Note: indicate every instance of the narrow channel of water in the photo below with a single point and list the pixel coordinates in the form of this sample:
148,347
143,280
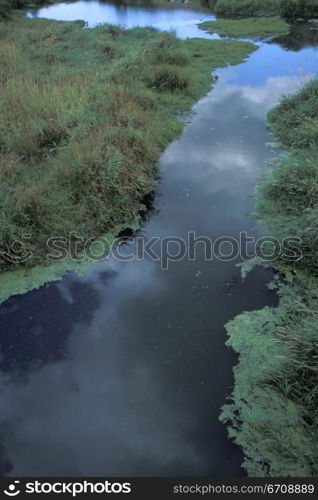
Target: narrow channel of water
123,371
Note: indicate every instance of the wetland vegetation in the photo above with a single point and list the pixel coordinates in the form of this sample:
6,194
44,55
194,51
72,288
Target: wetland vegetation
249,27
84,117
273,413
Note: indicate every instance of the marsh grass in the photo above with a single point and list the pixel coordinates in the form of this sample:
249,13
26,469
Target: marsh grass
250,27
295,120
84,115
273,415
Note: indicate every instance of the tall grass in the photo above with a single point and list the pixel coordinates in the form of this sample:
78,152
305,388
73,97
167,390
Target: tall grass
295,120
7,6
84,115
289,193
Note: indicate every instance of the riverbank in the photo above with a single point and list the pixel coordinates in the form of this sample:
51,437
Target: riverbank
273,413
85,115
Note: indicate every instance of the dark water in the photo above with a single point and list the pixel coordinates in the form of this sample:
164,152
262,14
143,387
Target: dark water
123,371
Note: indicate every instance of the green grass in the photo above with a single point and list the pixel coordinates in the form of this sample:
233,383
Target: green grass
289,193
295,120
84,116
289,9
250,27
273,415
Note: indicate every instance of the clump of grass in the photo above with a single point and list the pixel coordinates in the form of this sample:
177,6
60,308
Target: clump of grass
84,115
288,194
295,120
250,27
292,186
168,78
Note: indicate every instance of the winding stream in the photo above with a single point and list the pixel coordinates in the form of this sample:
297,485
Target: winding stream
123,371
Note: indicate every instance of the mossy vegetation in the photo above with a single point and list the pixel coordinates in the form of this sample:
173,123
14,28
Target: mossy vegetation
250,27
289,9
273,412
295,120
273,415
84,115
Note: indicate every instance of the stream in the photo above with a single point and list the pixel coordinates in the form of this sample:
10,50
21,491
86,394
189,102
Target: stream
123,371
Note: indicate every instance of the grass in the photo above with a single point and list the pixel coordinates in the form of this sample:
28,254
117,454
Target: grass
289,193
273,414
84,116
295,120
250,27
7,7
289,9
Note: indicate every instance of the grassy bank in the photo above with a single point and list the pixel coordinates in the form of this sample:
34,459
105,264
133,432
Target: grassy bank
250,27
273,414
84,115
289,9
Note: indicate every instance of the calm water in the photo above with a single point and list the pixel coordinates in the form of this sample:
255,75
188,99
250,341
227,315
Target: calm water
180,18
123,371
